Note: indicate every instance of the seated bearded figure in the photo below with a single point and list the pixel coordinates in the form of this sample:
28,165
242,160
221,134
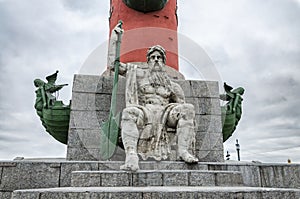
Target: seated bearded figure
154,103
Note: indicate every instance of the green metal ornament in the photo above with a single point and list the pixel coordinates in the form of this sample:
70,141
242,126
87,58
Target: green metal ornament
110,129
232,110
55,116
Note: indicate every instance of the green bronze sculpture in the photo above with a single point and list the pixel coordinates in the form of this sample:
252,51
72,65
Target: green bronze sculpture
110,129
54,114
232,110
146,5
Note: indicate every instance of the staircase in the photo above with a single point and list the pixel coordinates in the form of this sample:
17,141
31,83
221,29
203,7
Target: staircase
157,180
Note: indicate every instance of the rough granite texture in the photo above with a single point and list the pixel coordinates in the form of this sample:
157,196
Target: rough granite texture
156,178
158,193
90,106
29,174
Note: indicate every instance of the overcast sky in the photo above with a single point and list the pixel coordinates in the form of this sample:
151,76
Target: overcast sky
252,43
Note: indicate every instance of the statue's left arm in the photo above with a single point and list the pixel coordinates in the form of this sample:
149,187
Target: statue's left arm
177,93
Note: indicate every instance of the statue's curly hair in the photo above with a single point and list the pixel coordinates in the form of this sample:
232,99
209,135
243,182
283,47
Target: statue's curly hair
159,49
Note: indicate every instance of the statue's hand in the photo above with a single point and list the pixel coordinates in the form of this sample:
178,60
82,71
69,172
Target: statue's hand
118,28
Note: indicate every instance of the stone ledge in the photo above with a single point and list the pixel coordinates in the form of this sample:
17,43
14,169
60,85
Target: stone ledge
29,175
156,178
157,192
103,84
21,175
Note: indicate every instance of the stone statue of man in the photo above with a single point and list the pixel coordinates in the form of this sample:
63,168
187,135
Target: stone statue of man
154,103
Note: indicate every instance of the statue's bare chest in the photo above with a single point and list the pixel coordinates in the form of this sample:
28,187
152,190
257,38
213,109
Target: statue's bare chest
145,87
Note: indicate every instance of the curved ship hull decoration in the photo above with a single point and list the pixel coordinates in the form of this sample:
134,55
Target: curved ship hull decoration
232,110
55,116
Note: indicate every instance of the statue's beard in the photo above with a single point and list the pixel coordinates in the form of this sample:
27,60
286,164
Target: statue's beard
158,77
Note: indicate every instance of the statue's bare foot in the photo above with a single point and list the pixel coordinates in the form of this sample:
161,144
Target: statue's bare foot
131,163
188,158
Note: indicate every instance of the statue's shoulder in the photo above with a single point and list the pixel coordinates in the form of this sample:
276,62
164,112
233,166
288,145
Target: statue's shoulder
176,88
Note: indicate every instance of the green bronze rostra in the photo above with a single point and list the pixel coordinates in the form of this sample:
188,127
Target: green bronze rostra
232,110
55,116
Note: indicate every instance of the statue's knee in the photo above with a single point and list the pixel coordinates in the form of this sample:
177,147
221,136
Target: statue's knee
187,111
132,114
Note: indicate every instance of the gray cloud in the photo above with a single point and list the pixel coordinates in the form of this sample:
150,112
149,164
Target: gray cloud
255,44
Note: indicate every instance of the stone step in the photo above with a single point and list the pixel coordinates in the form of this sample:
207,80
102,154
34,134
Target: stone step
155,165
156,178
158,193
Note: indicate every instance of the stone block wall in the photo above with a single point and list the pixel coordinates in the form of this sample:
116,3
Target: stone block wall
27,174
90,106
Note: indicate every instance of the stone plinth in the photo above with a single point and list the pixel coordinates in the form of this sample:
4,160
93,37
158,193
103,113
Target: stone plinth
90,106
146,178
33,174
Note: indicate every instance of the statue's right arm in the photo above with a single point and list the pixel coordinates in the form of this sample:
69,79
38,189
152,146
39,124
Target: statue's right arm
111,58
122,68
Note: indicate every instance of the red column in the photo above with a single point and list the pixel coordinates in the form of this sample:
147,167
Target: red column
143,30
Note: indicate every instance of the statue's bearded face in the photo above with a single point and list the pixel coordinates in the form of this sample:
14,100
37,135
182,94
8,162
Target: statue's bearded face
158,75
155,61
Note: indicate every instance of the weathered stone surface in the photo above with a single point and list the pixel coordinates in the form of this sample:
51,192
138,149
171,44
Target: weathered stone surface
85,83
85,179
197,88
87,119
209,123
85,145
115,179
250,171
251,176
83,154
68,167
95,101
106,85
210,156
204,88
5,195
96,84
175,178
280,176
80,100
202,179
7,164
163,192
229,179
29,175
154,165
1,169
140,179
209,141
26,195
156,178
87,138
205,106
186,87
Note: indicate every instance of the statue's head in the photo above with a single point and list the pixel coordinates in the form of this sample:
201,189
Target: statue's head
160,50
38,82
